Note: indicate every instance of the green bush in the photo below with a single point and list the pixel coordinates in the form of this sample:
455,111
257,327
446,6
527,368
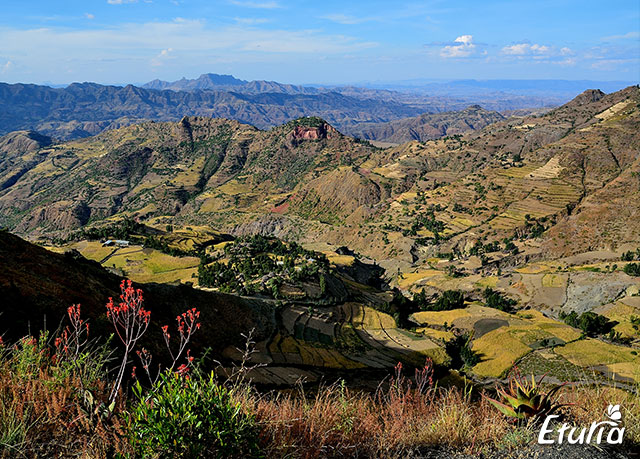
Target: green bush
496,300
450,299
632,269
459,349
189,418
590,323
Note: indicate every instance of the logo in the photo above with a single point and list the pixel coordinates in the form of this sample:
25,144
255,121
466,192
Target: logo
608,431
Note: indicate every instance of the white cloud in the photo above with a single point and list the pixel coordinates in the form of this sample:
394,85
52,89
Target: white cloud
6,67
464,47
528,49
89,16
190,39
120,2
270,5
160,58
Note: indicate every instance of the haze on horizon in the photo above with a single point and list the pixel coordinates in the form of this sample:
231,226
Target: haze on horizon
134,41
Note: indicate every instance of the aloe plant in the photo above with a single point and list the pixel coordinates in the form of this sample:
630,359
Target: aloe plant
525,400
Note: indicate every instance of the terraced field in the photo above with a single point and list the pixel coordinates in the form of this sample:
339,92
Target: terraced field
141,264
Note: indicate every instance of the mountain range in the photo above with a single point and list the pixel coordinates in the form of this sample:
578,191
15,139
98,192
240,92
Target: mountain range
307,176
85,109
524,221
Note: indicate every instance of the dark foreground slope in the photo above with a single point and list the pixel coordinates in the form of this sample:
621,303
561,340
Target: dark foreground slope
38,285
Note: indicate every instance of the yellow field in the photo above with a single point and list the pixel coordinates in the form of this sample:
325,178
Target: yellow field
589,352
313,355
435,334
534,268
489,281
369,318
92,250
151,265
552,280
622,313
629,370
341,260
406,280
439,317
233,187
498,350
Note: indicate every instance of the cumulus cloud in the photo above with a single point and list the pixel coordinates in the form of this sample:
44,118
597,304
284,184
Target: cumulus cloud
164,54
463,46
525,49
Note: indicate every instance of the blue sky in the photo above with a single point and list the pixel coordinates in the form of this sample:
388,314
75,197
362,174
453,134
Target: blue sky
121,41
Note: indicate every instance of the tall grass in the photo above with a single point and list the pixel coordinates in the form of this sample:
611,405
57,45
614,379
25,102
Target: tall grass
55,404
50,408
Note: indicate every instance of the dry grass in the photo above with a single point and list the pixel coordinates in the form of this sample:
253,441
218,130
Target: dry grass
399,422
42,414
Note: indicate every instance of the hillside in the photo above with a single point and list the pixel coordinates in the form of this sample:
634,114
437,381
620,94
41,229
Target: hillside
504,217
305,177
428,126
196,165
44,284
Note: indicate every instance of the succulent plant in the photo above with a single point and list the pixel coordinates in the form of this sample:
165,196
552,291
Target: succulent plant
525,400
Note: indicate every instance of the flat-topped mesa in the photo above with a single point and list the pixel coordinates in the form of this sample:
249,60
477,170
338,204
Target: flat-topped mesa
311,128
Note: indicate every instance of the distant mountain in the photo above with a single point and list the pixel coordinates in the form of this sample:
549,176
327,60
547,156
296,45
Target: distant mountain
205,81
552,89
215,82
84,109
428,126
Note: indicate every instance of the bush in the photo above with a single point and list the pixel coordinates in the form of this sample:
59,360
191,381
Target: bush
459,349
450,299
590,323
632,269
496,300
191,417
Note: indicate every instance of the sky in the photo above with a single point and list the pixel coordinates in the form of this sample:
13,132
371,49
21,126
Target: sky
323,42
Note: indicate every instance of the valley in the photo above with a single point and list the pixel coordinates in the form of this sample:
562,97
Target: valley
512,245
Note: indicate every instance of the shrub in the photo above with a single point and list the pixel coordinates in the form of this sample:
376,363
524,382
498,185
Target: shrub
459,349
496,300
191,418
590,323
632,269
450,299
